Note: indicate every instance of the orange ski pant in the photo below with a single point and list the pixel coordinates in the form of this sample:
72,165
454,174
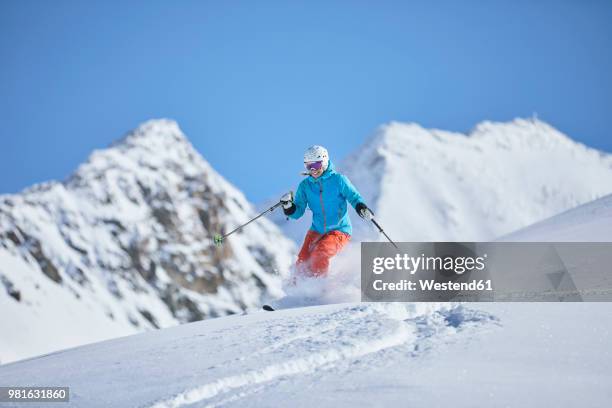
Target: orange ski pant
318,249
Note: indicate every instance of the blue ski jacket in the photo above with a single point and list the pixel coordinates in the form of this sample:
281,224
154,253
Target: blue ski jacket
326,197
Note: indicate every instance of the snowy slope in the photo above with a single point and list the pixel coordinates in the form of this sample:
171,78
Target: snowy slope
435,185
590,222
486,355
124,245
254,360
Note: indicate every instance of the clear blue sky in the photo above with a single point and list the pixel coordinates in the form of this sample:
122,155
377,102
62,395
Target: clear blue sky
253,83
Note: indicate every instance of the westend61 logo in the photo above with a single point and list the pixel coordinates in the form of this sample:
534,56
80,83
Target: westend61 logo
486,271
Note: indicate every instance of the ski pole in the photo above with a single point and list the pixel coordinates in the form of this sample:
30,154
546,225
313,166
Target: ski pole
383,232
218,238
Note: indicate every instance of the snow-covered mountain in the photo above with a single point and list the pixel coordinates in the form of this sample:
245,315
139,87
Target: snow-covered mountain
434,185
124,245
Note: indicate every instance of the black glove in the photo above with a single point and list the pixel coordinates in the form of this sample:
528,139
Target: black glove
364,212
287,203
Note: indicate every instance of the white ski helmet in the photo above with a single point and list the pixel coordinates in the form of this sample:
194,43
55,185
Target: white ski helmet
317,153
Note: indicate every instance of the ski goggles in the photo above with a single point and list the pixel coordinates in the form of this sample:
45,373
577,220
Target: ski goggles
313,166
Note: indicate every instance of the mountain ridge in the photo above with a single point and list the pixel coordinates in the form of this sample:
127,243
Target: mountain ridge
475,186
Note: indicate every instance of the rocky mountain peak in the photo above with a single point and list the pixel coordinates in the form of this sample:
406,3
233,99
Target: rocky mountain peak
129,234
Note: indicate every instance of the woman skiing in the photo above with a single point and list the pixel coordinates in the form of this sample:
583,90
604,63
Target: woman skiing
326,193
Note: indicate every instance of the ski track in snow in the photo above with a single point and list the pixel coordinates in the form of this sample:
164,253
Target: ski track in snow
329,340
